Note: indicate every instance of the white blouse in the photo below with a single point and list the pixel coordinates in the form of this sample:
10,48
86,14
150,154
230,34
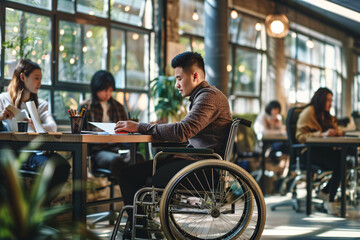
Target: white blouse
46,118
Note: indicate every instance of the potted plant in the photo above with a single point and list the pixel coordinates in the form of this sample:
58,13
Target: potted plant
169,105
22,214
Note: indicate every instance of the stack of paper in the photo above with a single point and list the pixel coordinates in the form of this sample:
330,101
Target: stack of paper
35,117
19,115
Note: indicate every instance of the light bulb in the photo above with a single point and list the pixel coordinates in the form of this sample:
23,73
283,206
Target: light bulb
277,27
195,15
310,44
258,27
234,14
228,68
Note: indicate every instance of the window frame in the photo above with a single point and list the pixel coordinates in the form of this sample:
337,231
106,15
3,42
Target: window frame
80,18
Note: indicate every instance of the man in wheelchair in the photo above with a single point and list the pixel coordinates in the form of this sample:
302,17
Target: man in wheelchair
205,126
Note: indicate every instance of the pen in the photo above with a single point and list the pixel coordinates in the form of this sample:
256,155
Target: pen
82,112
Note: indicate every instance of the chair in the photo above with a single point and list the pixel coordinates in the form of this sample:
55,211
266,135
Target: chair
203,192
295,149
111,214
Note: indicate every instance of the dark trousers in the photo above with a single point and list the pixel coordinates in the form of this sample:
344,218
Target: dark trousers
37,161
134,177
112,161
328,159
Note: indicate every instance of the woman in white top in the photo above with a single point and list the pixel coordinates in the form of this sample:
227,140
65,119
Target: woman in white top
270,123
23,87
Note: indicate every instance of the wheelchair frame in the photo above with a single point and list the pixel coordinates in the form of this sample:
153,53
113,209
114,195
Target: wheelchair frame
238,190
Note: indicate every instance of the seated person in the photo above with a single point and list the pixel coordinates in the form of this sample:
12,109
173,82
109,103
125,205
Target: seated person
206,125
102,107
23,87
316,120
270,123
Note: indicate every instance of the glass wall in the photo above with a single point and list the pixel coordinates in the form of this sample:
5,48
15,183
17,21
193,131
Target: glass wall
247,48
356,96
73,40
311,64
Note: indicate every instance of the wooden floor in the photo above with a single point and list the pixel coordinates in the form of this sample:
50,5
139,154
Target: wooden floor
285,223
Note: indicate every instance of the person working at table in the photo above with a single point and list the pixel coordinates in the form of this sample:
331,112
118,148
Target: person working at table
102,107
316,121
23,87
206,125
270,123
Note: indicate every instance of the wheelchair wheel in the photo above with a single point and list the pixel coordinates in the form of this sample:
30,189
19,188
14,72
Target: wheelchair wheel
212,199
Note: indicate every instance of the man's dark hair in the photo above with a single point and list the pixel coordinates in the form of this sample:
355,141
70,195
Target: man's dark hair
186,60
101,80
273,104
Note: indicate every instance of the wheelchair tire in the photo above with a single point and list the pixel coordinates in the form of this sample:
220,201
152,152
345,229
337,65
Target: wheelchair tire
212,199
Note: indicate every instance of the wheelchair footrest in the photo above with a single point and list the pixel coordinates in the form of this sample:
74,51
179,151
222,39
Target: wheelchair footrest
147,228
144,203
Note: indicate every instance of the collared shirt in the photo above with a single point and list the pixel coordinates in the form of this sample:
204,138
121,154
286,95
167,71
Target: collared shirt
205,126
116,112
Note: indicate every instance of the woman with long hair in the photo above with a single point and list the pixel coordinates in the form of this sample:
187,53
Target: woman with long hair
24,87
316,121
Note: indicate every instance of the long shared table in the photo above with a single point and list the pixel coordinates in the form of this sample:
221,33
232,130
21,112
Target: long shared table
78,145
344,143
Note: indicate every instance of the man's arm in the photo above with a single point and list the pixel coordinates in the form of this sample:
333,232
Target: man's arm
206,108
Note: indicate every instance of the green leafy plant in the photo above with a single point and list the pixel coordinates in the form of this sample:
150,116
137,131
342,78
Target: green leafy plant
168,101
22,46
22,212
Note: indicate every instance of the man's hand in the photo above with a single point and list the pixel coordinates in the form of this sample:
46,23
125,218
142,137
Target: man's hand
126,126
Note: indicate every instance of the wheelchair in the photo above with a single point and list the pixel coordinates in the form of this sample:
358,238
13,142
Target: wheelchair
208,199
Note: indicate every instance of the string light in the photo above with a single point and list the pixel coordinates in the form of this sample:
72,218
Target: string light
258,27
234,14
310,44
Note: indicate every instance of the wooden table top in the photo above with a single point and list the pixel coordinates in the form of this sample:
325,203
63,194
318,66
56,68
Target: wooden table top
76,138
333,140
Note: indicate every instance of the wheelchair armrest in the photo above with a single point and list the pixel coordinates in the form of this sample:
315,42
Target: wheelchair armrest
169,145
188,150
101,171
28,173
298,146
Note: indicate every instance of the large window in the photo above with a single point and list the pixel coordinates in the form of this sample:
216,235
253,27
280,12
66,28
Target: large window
27,35
356,97
247,48
82,51
311,64
71,47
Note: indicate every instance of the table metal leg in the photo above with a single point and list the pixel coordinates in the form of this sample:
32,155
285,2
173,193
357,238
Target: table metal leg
308,181
343,182
79,184
133,153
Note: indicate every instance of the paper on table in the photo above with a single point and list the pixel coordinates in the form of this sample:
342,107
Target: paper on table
35,117
19,115
107,127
